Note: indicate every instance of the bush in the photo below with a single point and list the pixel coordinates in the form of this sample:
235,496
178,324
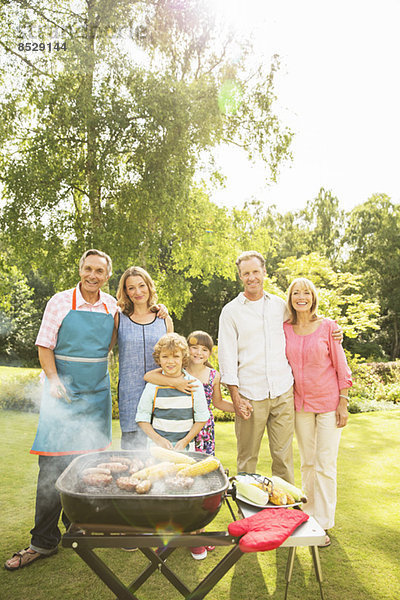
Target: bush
114,374
20,389
376,386
388,372
360,405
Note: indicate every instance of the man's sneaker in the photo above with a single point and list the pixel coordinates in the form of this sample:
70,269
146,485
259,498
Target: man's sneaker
198,553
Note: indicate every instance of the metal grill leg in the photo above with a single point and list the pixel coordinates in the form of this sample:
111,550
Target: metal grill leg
317,567
289,568
105,574
216,574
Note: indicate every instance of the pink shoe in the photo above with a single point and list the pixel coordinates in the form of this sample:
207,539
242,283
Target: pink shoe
198,553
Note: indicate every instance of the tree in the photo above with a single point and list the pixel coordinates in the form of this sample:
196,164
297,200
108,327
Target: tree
101,140
339,293
18,318
373,238
326,222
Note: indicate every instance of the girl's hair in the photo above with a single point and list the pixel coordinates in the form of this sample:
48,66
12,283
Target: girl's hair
172,342
200,338
124,302
308,285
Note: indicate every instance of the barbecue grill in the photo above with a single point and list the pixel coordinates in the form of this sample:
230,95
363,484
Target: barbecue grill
109,518
160,509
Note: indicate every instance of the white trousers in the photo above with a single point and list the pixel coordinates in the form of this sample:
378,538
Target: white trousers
318,439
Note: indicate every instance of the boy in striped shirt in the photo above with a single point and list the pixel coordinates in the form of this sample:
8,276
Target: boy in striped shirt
169,416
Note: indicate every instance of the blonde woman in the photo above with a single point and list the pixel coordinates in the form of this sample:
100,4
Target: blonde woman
321,382
139,324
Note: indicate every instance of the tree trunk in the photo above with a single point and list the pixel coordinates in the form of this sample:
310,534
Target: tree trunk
395,345
91,166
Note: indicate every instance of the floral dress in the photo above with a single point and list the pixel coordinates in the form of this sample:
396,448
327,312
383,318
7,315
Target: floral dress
205,440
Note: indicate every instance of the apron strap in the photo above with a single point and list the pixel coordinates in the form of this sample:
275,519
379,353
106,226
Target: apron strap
74,302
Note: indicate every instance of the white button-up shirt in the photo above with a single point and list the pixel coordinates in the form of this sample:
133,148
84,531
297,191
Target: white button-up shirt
251,347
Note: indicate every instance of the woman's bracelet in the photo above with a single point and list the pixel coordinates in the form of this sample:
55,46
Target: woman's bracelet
342,396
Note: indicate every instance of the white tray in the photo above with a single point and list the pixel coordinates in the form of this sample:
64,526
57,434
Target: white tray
250,479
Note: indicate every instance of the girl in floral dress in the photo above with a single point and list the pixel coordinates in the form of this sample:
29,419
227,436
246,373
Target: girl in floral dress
200,348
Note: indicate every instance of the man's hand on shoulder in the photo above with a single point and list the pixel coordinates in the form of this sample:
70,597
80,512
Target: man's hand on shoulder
337,334
162,312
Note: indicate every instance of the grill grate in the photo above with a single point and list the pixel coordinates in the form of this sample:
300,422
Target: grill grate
202,484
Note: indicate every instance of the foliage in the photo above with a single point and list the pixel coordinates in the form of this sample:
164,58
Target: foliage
373,237
19,319
113,367
364,405
101,141
338,293
318,227
19,389
324,221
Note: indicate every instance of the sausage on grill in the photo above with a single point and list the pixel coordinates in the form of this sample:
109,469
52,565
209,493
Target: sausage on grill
97,479
96,470
136,465
127,483
121,459
114,467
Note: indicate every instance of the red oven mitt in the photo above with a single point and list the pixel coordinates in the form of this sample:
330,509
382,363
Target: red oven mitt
267,529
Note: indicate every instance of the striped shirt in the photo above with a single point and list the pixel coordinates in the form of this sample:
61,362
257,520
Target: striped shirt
170,411
59,306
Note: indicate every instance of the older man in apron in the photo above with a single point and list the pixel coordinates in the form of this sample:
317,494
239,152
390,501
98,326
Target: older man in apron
75,412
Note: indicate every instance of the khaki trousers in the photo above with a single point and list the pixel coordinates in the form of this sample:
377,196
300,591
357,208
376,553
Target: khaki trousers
277,416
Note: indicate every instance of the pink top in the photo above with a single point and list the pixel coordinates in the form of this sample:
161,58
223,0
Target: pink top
319,368
59,306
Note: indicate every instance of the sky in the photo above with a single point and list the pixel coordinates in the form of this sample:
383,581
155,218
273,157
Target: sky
338,90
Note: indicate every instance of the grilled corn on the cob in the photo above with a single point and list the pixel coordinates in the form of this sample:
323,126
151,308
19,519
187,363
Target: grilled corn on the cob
201,467
278,497
297,493
158,471
171,456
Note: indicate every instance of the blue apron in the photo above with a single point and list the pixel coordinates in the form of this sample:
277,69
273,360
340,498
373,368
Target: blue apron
82,422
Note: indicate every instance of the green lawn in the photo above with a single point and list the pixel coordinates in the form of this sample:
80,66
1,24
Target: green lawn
362,563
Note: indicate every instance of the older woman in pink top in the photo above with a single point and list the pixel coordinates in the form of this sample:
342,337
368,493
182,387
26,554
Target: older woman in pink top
321,382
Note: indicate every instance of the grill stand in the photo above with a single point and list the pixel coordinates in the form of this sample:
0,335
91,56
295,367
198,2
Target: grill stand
308,534
83,544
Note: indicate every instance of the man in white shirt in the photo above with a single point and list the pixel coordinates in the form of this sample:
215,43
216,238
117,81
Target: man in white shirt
253,364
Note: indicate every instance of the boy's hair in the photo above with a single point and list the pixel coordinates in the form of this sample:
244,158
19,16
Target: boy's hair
172,342
200,338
